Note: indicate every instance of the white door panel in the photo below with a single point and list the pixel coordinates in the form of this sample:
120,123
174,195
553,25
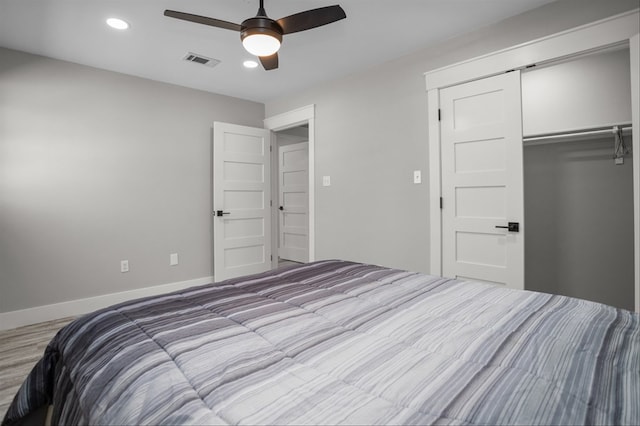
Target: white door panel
293,187
482,180
241,191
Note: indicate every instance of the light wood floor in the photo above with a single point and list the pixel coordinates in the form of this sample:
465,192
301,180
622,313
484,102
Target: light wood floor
20,349
283,262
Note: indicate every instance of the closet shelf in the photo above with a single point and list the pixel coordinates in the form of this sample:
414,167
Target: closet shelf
580,135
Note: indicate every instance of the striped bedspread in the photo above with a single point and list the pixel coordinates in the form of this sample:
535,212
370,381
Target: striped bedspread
335,342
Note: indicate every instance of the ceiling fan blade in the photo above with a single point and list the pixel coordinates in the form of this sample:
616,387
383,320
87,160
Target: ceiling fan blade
202,20
311,19
269,62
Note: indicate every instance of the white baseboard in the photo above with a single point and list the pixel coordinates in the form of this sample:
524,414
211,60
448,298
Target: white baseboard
14,319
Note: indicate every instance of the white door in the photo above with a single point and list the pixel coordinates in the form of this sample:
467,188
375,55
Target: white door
482,182
241,200
293,164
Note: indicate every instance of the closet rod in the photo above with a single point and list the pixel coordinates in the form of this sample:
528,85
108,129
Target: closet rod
569,136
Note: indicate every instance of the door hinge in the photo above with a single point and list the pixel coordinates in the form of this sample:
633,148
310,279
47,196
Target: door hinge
439,114
270,148
271,203
440,202
271,257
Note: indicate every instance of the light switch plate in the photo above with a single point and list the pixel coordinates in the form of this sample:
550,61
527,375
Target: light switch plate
124,266
326,180
417,176
173,259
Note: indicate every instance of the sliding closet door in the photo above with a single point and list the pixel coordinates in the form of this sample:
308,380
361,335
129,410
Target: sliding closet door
482,188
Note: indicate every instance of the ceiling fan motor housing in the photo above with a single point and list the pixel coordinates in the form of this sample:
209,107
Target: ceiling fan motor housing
261,25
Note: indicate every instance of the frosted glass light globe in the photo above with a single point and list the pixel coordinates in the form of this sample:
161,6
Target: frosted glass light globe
261,44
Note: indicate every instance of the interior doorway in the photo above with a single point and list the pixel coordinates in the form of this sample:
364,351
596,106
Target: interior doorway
293,127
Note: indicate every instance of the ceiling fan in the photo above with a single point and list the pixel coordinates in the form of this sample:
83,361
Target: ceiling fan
261,36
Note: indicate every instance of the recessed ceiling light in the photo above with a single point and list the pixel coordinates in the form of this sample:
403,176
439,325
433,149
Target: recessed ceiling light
118,24
250,64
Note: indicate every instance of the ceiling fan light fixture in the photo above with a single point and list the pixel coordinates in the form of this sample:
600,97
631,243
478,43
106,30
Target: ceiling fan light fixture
259,42
261,36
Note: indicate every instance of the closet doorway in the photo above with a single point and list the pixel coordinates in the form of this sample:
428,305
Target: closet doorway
621,31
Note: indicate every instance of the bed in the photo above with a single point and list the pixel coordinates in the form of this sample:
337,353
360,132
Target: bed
337,342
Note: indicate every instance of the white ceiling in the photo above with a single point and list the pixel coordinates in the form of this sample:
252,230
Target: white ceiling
374,32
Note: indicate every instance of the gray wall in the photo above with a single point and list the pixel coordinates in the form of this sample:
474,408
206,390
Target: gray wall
579,216
96,167
371,133
586,92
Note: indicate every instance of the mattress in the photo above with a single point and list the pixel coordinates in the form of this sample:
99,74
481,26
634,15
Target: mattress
337,342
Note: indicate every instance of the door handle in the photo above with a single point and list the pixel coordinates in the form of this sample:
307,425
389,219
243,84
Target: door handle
281,208
219,213
511,227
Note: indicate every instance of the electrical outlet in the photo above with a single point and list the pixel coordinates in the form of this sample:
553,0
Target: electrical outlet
173,259
326,180
124,266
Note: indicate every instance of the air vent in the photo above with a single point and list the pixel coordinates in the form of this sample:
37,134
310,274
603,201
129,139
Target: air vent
202,60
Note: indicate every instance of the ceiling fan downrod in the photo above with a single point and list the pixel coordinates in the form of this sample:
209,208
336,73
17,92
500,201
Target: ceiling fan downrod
261,11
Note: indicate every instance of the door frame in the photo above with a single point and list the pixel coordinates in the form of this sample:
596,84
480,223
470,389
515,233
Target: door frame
284,121
615,30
